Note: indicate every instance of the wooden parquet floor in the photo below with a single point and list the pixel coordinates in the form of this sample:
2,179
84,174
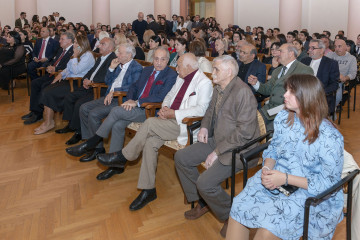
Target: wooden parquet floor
46,194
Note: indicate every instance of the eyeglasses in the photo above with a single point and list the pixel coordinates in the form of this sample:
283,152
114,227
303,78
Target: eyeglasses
313,48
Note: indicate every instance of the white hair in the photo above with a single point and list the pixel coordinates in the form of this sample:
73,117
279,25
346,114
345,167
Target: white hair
229,62
190,60
103,34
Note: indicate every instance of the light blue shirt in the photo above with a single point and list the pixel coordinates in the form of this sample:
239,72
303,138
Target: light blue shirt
74,68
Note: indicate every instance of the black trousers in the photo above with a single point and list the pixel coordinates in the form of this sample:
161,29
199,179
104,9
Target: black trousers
37,85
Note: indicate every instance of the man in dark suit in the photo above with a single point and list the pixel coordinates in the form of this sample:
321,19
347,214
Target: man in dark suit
44,49
303,36
139,26
59,62
230,121
275,86
152,86
152,24
73,100
197,23
94,42
20,22
52,33
249,67
325,69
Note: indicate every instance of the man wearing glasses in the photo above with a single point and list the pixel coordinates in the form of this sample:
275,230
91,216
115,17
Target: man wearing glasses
325,69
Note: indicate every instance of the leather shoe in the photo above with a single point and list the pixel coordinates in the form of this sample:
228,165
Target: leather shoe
27,116
78,150
146,196
115,159
74,139
108,173
196,212
33,119
91,155
64,130
224,228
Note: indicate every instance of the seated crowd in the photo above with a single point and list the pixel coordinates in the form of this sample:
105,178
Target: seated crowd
294,81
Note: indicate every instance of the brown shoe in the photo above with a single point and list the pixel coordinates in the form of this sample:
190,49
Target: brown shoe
196,212
224,229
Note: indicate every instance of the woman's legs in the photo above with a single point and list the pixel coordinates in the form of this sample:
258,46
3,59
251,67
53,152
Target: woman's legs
263,233
237,231
48,123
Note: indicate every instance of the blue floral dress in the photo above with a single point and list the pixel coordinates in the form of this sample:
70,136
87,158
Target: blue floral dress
321,163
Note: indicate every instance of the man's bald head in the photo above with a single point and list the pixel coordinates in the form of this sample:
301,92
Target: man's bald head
340,47
186,64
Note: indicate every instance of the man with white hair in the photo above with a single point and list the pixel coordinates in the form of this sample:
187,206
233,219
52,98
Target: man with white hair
189,97
229,122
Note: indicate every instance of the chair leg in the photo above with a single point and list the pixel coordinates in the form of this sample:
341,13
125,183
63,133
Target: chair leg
354,96
348,100
28,83
12,89
227,183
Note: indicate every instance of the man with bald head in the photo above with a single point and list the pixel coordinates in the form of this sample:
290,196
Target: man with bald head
73,100
238,46
139,26
347,66
230,121
189,97
275,86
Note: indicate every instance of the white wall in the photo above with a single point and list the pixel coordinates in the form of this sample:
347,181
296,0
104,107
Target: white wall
175,7
7,13
127,10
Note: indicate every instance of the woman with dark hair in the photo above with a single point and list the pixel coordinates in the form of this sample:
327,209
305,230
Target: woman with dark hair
306,155
26,42
52,20
35,19
154,42
274,58
280,38
236,37
266,50
198,48
164,26
44,21
351,47
133,40
163,37
181,23
53,95
11,56
71,26
260,41
180,46
299,47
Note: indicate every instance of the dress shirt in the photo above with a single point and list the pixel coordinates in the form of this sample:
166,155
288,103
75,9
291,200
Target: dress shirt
46,42
74,68
22,22
118,81
103,58
314,64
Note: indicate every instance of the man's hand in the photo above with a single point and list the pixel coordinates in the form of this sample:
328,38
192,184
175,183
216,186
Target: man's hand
57,79
252,79
108,98
43,60
166,113
114,63
86,84
273,179
203,135
129,105
36,59
343,78
50,69
210,159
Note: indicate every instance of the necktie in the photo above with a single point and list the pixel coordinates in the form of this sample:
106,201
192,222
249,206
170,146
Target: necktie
42,49
148,85
59,59
283,71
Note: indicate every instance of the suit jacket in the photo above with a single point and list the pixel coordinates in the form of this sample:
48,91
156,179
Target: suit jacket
329,74
63,62
51,48
93,42
101,73
194,104
257,69
275,86
197,24
236,121
132,75
18,22
161,86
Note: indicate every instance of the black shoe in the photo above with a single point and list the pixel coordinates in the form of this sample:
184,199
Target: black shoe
144,198
91,155
27,116
79,150
108,173
74,139
115,159
34,118
64,130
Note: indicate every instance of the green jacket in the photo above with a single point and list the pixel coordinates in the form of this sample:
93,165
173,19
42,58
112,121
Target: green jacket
275,86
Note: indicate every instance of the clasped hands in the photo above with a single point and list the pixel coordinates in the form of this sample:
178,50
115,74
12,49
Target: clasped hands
166,113
272,179
203,138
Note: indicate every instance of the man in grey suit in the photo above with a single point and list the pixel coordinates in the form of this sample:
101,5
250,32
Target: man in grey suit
275,86
230,121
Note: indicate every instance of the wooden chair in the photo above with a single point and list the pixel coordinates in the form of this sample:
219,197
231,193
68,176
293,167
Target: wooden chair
260,56
144,63
232,48
209,58
268,66
22,75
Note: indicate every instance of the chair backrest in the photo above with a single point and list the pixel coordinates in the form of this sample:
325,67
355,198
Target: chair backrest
268,66
260,56
209,58
262,125
144,63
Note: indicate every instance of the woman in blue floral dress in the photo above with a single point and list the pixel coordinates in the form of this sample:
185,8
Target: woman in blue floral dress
307,152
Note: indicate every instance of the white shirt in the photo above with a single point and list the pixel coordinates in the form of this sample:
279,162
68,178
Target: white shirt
22,22
315,65
118,81
46,42
103,58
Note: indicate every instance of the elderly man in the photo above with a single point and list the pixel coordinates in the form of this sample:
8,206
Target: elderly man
73,100
325,69
190,96
229,122
122,73
275,86
44,50
239,44
153,85
139,26
59,62
347,66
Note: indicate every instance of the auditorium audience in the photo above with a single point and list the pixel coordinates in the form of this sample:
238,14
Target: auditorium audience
180,46
154,42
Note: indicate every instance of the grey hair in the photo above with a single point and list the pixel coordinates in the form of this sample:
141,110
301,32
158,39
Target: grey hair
103,34
253,48
291,48
69,35
129,48
228,61
164,49
191,61
319,42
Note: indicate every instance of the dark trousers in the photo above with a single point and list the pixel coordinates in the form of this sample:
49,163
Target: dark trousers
32,66
37,85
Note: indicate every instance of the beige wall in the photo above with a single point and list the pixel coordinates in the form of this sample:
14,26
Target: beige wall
127,10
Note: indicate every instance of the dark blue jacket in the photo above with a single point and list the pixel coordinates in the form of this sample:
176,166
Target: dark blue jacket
258,69
161,86
51,48
132,75
63,62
